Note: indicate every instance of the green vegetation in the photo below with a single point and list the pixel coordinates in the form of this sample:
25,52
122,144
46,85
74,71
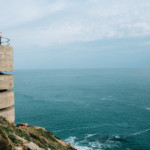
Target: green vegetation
22,135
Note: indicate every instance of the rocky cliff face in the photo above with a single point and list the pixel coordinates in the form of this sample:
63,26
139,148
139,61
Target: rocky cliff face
24,137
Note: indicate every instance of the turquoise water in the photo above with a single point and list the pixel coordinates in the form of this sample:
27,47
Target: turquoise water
93,109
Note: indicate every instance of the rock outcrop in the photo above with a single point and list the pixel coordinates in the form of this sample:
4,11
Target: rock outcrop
25,137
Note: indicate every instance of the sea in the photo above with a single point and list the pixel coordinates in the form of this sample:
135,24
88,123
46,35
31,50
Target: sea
92,109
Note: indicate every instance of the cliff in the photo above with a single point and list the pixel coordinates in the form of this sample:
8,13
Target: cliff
24,137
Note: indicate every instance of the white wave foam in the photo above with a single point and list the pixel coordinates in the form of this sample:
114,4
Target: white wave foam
139,132
71,140
117,136
147,108
94,145
90,135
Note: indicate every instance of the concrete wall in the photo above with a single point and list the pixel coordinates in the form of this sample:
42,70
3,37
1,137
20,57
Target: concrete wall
6,83
8,113
6,99
6,58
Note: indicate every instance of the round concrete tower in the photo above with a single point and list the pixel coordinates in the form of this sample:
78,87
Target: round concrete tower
6,80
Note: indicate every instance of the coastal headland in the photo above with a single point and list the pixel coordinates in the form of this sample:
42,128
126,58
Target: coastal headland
20,136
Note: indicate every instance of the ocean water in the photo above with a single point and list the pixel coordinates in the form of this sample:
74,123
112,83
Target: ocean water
92,109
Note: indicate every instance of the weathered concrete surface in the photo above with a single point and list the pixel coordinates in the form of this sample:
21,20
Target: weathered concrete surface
8,113
6,81
6,99
6,58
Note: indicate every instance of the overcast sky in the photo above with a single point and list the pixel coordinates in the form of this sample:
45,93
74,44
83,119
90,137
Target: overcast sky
77,33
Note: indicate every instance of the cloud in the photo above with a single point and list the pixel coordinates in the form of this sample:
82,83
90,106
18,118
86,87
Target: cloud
18,12
45,23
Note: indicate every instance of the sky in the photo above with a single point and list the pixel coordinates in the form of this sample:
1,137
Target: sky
51,34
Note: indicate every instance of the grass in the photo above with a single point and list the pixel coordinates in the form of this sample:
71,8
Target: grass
44,139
